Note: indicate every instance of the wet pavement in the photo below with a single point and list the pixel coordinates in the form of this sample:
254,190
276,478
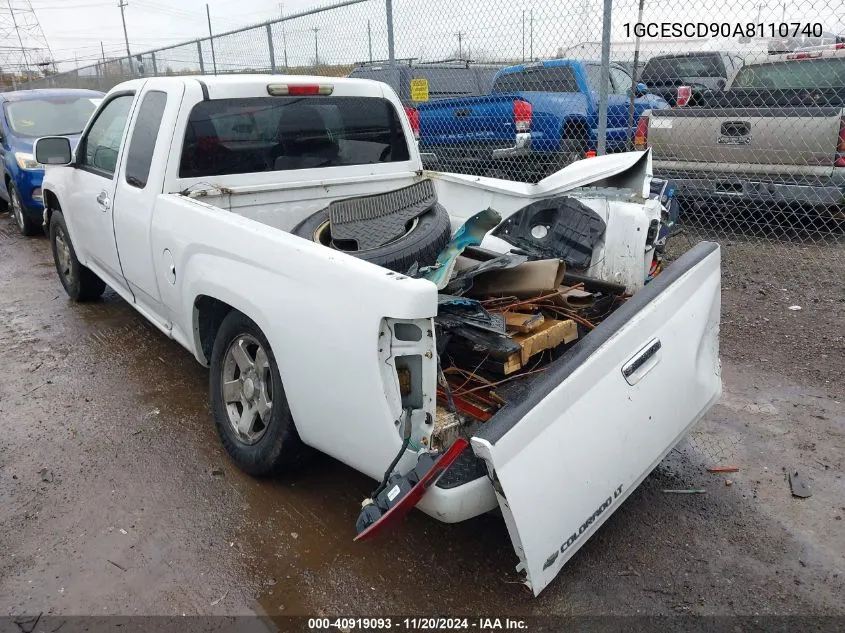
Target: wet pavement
116,497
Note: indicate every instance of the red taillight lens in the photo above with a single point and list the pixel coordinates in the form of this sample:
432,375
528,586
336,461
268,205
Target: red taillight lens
414,119
840,146
641,133
522,113
684,94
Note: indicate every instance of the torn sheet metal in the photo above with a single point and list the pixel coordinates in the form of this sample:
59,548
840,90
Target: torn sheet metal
470,234
468,269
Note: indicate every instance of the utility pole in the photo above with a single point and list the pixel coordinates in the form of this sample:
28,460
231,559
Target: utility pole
284,37
211,37
370,39
460,44
316,49
20,41
103,51
122,4
531,20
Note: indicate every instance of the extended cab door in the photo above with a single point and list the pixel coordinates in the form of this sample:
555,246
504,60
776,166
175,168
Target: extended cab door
563,460
138,186
91,189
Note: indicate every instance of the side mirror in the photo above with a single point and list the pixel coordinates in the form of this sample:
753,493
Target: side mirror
641,90
721,84
53,150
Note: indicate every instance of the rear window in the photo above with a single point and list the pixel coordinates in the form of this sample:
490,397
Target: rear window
800,74
237,136
668,69
552,79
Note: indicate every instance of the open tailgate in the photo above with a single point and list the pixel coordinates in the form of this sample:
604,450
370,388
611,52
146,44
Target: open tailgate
606,414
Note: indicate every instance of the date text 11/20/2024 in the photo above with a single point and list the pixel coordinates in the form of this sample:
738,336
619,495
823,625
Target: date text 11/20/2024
418,624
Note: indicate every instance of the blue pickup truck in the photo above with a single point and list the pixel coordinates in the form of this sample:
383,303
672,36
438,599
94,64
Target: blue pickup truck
538,117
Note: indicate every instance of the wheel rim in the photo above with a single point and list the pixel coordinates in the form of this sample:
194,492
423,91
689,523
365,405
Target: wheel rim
247,388
17,210
63,255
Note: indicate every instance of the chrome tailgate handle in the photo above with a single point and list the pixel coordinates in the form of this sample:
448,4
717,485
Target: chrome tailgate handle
642,362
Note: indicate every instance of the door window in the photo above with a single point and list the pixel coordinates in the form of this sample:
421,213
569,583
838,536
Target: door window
99,148
144,135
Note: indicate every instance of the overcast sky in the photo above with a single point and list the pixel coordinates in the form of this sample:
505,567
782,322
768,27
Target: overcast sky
429,29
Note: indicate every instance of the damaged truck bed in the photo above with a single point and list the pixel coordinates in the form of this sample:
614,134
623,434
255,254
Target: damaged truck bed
469,343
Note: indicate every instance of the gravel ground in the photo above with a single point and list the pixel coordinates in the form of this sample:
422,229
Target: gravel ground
116,497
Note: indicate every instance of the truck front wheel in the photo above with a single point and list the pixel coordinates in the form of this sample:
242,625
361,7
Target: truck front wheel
248,400
79,282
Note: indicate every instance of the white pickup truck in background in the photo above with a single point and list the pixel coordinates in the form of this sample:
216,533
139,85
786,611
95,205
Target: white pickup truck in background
202,202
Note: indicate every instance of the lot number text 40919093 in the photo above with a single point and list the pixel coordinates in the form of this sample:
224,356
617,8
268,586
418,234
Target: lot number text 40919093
722,29
418,624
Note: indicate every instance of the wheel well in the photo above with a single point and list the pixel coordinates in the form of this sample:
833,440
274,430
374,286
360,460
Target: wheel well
209,314
576,129
51,203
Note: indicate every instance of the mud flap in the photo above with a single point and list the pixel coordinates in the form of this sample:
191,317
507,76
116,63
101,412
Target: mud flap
606,414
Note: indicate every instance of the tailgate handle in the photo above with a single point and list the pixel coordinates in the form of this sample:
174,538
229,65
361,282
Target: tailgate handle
642,362
736,128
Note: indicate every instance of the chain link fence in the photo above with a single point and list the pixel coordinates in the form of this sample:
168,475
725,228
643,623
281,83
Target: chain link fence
741,102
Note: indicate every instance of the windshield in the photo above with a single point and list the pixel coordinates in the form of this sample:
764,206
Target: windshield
50,116
801,74
551,79
669,69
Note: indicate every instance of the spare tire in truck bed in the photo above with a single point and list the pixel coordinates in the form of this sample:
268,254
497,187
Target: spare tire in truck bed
424,237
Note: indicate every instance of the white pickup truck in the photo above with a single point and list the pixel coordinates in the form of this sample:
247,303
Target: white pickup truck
201,201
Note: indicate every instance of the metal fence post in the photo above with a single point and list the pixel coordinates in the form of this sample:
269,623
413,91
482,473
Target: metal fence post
270,48
391,47
155,67
605,77
634,82
199,54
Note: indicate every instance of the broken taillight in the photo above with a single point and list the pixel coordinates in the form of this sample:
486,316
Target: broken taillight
641,133
522,114
414,119
840,146
684,94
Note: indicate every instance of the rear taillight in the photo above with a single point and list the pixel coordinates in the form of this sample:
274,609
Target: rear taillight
414,120
684,94
641,133
839,47
840,146
522,113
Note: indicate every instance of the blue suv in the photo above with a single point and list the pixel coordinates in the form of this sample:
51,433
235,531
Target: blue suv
24,116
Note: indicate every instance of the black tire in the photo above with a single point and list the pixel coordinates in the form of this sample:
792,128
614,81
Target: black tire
80,283
422,244
278,447
26,224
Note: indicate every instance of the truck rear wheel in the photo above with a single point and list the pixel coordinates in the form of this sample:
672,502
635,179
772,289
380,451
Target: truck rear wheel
248,400
80,283
422,242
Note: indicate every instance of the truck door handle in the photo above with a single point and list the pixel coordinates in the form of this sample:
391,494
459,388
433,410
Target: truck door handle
103,201
642,362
